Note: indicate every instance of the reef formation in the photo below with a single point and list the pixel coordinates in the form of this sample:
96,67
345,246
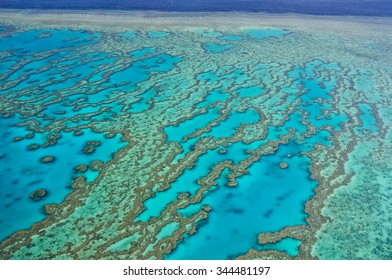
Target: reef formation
195,142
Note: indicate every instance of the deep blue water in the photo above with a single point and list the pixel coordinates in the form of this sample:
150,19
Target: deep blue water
320,7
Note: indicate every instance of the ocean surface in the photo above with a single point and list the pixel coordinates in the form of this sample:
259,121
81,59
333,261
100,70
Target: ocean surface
218,142
317,7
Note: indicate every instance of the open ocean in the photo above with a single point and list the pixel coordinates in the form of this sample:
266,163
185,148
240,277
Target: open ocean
317,7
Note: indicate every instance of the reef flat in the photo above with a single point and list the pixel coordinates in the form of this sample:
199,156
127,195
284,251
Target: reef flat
194,136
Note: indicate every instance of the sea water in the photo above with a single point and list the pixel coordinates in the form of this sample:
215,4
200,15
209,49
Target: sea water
145,107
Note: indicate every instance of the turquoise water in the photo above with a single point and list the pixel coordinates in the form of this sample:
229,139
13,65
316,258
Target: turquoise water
140,70
142,52
288,245
188,181
128,35
213,97
369,122
261,202
217,48
52,80
250,91
167,230
229,127
231,38
144,102
276,196
176,133
267,199
33,41
220,108
123,244
264,33
21,171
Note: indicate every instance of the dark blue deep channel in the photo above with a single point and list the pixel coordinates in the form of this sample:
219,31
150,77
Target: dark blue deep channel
317,7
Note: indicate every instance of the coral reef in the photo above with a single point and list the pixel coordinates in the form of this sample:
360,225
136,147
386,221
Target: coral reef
173,140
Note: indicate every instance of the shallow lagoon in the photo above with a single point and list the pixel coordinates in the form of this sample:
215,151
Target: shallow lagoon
206,140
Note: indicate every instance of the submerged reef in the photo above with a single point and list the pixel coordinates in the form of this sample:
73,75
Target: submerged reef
45,159
283,165
38,194
254,142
